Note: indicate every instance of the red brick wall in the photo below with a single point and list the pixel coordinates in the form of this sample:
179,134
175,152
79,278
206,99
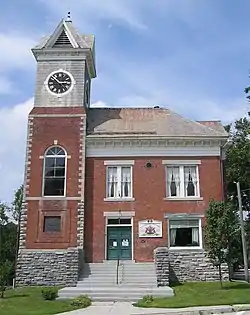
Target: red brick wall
66,130
149,192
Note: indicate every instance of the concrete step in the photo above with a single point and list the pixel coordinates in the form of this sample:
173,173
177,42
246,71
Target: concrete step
114,293
113,284
138,280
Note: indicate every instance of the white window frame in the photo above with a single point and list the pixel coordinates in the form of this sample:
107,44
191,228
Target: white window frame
186,247
119,165
66,156
182,164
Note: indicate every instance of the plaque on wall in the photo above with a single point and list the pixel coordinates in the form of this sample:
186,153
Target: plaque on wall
150,228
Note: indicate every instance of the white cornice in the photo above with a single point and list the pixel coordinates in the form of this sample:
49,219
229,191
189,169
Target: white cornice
56,54
149,141
152,147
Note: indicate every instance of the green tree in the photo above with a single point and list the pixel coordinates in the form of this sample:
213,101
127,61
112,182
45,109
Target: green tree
221,233
8,232
5,273
238,159
17,204
16,215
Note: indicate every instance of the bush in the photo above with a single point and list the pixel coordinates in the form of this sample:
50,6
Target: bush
81,301
147,299
5,271
49,294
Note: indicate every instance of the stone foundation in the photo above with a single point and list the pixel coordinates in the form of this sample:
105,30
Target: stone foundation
162,266
46,267
181,266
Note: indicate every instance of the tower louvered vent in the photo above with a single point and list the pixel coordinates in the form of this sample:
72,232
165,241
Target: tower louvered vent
63,40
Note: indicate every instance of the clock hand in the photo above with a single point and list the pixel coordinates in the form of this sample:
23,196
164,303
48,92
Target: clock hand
56,79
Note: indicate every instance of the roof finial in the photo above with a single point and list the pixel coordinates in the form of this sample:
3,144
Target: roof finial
69,17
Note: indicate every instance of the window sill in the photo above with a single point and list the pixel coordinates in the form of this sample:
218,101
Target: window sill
184,198
119,199
186,248
54,197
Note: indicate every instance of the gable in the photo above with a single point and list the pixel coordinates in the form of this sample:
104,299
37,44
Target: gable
63,40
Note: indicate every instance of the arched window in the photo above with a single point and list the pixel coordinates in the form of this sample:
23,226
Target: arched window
54,173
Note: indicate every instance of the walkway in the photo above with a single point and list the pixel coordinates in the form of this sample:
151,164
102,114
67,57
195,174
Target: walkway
126,308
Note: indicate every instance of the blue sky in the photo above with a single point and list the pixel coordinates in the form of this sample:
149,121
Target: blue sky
192,56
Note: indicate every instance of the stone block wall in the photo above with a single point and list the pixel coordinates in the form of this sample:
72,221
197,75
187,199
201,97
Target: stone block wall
181,266
58,267
161,255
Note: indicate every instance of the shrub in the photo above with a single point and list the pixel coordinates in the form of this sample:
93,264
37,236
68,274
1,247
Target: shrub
5,271
147,299
81,301
49,294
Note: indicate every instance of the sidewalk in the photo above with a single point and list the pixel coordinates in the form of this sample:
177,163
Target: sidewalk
126,308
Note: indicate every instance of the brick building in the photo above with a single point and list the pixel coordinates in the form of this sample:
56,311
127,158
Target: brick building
109,183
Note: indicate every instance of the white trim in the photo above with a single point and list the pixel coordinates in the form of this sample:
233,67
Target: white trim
65,175
180,216
119,183
123,199
181,162
73,82
60,28
187,217
189,198
117,214
141,151
182,195
53,198
70,36
119,162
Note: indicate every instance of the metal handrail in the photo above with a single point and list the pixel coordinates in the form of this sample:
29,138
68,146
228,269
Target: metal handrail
117,270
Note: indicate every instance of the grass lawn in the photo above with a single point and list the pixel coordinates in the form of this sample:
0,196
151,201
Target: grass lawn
29,301
203,294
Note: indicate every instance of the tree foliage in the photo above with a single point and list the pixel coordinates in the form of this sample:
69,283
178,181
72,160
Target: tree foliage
5,273
238,160
17,204
222,233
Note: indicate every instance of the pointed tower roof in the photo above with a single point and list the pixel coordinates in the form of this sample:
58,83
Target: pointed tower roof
66,38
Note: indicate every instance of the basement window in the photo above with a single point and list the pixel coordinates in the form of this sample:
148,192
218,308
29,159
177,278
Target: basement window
52,224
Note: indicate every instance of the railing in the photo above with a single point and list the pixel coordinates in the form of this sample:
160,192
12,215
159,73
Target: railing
117,270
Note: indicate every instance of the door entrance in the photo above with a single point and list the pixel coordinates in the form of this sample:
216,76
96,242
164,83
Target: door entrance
119,243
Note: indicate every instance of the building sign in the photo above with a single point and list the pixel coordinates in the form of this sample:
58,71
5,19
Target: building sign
150,228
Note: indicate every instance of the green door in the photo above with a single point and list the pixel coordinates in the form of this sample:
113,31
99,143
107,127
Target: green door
119,243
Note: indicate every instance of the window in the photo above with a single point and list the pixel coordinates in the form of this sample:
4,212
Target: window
52,224
185,233
54,172
119,182
182,181
119,221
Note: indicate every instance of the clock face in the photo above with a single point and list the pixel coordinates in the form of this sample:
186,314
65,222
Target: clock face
59,82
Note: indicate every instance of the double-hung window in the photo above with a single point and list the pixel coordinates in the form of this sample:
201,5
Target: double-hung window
119,182
54,173
182,180
185,233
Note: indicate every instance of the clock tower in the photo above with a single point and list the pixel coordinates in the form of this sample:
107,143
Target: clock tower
51,241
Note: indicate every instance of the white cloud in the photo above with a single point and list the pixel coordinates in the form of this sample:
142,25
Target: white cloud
198,109
89,11
5,85
99,104
15,51
13,122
